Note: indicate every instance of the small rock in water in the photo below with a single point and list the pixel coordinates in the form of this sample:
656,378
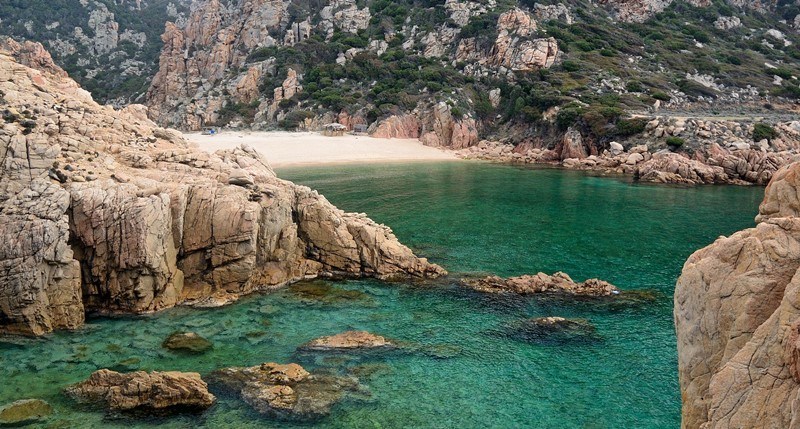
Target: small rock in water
24,411
188,342
349,340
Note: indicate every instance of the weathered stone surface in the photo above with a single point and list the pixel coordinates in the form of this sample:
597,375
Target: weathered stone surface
542,283
109,213
142,390
287,391
736,317
24,411
40,281
400,127
674,168
349,340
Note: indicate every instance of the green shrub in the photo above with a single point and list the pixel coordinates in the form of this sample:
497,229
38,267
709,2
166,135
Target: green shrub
781,72
629,127
293,119
456,112
567,116
570,66
661,95
634,86
675,142
763,131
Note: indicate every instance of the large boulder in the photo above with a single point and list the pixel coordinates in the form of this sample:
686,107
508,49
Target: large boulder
737,318
141,390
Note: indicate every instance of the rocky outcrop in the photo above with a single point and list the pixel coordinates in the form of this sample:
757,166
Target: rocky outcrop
707,152
443,130
349,340
108,213
541,283
400,127
288,391
141,390
737,319
515,47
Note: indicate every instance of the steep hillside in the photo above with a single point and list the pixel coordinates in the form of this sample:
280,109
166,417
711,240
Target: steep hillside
109,46
493,68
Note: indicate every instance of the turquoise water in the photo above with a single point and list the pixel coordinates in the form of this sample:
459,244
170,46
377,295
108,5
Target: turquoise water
462,372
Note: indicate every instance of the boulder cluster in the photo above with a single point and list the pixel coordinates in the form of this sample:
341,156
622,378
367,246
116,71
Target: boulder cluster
724,153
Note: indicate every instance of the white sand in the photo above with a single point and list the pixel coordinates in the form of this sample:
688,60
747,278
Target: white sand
287,148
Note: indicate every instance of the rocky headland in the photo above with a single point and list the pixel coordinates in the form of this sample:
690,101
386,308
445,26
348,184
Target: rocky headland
737,318
105,212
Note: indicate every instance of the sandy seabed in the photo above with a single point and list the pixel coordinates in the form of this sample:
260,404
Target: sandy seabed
307,148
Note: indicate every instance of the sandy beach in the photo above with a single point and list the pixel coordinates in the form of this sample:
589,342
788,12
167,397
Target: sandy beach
307,148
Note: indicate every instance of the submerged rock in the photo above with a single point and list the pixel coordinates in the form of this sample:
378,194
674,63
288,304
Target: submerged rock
287,391
542,283
551,330
187,342
325,293
347,341
24,411
154,390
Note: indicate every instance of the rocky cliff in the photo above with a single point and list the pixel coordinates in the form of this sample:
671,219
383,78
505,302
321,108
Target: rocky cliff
102,211
738,320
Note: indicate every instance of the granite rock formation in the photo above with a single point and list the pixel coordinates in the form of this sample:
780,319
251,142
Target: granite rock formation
109,213
737,318
142,390
542,283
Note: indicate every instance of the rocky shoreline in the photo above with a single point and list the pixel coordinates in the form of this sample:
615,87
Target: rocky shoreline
105,212
713,162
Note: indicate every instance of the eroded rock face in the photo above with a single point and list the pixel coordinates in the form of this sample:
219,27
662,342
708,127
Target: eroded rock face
542,283
736,319
142,390
287,391
110,213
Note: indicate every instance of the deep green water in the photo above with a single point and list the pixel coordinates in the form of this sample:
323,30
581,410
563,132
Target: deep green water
470,218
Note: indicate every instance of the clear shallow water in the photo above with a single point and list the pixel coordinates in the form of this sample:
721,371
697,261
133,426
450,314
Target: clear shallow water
470,218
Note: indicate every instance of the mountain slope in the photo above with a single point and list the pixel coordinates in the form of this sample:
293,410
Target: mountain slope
109,46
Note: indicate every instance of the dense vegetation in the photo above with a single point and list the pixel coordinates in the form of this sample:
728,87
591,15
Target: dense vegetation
607,68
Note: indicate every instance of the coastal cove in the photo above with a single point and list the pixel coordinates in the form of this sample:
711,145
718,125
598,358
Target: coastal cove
463,370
